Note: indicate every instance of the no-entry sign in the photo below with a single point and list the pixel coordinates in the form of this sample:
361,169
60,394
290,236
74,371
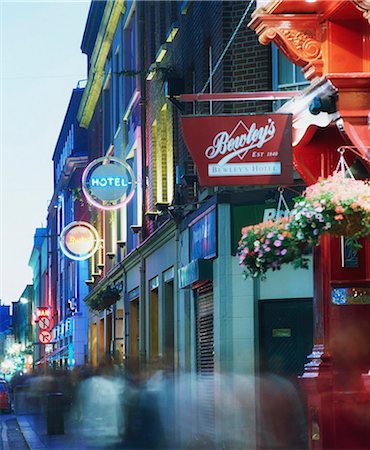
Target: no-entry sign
45,337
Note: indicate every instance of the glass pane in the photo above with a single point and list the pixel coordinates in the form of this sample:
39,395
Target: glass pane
299,77
285,70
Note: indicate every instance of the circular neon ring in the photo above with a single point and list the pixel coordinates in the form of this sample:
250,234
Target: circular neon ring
75,256
92,200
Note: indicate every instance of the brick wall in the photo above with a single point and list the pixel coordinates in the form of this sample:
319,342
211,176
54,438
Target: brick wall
245,67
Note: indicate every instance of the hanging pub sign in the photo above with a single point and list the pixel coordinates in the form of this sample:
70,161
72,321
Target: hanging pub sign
79,240
240,150
108,183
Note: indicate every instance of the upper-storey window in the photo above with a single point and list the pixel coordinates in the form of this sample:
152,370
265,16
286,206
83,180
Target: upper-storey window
129,59
66,152
107,115
286,76
117,89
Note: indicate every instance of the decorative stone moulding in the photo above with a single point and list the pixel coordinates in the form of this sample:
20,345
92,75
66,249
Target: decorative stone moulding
363,5
297,36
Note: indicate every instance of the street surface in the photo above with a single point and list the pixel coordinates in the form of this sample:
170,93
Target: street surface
11,436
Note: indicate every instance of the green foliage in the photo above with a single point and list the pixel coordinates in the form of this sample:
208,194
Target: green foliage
104,299
77,195
268,245
336,205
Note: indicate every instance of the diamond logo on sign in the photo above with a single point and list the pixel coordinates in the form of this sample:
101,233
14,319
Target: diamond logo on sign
108,183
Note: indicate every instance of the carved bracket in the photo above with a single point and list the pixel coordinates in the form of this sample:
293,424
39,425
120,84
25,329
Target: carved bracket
297,36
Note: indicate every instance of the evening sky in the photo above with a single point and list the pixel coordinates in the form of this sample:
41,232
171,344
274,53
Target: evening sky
41,62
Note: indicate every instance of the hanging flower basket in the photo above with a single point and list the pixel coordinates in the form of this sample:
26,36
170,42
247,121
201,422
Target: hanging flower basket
269,245
104,299
337,205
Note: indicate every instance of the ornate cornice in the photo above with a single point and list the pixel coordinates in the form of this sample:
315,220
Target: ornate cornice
298,36
108,26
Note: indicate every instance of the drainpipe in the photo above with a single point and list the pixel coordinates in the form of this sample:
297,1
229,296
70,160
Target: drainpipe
142,87
126,319
142,312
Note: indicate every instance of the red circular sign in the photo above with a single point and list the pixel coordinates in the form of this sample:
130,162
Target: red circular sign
45,337
44,323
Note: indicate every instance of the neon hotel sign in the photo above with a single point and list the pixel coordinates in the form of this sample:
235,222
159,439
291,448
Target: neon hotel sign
240,150
108,183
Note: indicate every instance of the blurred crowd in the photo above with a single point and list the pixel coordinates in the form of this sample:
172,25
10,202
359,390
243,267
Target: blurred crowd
150,408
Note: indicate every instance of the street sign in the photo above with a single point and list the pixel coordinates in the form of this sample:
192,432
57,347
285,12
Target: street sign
79,240
108,183
44,323
42,311
237,150
44,337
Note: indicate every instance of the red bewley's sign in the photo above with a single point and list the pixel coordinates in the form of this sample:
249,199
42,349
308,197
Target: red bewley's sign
239,150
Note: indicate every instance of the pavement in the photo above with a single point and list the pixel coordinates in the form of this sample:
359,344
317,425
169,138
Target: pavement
76,436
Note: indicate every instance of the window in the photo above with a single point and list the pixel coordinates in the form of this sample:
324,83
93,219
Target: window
117,97
129,60
162,167
154,163
286,76
166,173
107,115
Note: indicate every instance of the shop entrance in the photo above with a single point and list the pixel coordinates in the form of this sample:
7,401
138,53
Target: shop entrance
285,336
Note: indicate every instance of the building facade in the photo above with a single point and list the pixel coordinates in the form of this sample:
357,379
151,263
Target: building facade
183,302
67,276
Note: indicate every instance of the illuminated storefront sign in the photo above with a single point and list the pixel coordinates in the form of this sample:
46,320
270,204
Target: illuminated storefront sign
108,183
203,242
79,240
240,150
42,311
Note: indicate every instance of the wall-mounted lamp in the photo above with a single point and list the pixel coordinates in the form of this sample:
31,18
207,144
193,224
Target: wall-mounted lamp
172,32
110,255
96,275
151,72
162,206
152,215
161,54
121,244
23,300
325,103
136,229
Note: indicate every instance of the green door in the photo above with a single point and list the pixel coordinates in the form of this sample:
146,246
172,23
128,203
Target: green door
285,335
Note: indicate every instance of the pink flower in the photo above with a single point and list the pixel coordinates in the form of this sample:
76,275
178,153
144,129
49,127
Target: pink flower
270,235
284,251
277,243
